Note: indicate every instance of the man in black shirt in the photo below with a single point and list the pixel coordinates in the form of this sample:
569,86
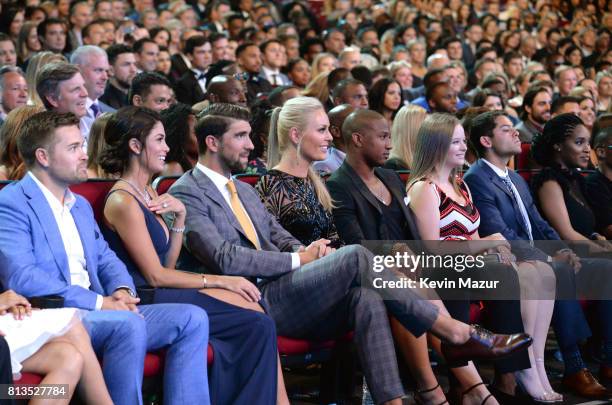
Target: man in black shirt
599,184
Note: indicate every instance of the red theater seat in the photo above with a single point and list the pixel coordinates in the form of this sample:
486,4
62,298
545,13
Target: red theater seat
289,346
94,191
162,184
404,175
29,379
251,179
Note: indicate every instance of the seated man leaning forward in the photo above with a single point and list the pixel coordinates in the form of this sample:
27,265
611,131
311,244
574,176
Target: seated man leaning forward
314,292
50,244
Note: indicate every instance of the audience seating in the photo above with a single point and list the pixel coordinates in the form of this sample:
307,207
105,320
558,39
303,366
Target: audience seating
251,179
163,183
94,191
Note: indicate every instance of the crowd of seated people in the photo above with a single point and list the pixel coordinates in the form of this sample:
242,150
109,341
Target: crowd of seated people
361,121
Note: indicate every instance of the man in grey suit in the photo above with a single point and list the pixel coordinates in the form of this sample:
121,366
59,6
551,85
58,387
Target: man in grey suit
313,292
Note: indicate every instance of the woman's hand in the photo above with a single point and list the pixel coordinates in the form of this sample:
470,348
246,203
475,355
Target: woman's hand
166,203
239,285
506,255
14,303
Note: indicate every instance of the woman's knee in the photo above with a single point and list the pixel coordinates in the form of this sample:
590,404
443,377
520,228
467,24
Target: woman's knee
65,356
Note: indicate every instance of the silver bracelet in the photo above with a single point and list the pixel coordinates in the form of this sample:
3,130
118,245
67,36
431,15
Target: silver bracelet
177,230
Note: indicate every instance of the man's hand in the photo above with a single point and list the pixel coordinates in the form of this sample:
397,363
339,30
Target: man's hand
124,296
569,257
314,251
121,300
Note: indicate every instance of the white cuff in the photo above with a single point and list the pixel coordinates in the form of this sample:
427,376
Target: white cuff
99,301
295,261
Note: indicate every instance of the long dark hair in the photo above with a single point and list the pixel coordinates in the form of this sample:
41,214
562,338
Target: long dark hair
556,131
376,95
125,124
176,124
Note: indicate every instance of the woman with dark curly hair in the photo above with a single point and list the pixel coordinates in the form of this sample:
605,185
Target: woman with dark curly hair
243,338
179,122
385,97
562,150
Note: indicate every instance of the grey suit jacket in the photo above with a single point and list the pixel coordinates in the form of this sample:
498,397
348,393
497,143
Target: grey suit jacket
105,107
215,239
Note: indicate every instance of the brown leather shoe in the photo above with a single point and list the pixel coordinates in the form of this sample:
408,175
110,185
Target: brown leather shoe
484,344
605,374
585,385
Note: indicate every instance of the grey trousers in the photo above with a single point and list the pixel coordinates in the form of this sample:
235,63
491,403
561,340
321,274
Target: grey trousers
333,295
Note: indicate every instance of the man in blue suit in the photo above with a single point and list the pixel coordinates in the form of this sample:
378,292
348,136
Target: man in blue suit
506,206
50,244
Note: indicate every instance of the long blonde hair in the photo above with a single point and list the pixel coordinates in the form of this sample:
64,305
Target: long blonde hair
404,131
37,61
295,113
317,88
432,145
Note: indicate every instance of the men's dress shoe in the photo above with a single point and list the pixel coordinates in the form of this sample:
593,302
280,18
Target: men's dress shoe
605,374
585,385
485,345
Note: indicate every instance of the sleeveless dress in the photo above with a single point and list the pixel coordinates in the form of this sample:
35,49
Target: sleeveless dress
457,222
244,369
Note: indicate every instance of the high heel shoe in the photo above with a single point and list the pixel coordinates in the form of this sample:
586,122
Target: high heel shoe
456,397
421,401
552,394
543,399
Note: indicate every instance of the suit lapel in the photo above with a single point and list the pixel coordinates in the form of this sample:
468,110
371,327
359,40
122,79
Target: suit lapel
361,186
212,192
500,184
400,199
47,221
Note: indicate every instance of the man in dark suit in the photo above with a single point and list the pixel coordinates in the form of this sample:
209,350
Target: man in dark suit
506,206
313,292
122,71
360,216
191,87
249,60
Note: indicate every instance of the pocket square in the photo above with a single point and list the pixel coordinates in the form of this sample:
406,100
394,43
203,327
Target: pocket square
407,200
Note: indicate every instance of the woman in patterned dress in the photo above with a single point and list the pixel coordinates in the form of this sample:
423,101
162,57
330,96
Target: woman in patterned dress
443,206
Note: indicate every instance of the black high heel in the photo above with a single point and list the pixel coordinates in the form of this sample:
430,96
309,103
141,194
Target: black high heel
419,400
458,400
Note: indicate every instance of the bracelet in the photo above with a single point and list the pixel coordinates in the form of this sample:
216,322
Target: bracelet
204,281
177,230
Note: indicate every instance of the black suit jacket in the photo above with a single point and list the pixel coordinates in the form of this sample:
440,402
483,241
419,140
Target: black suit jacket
357,215
257,85
114,97
188,89
179,67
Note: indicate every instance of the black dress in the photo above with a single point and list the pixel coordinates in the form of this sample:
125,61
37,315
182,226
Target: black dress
294,203
573,186
244,369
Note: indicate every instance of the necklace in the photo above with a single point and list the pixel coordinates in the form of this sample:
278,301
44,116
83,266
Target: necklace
379,191
144,194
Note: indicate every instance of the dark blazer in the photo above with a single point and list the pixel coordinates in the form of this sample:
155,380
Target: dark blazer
114,97
188,89
357,214
257,85
179,67
500,213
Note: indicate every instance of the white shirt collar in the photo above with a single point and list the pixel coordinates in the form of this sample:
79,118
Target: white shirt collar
56,205
497,170
218,179
269,71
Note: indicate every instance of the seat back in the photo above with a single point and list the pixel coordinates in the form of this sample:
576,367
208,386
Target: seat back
163,183
94,191
404,175
251,179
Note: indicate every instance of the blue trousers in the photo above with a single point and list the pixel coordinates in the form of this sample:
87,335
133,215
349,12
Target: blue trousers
122,339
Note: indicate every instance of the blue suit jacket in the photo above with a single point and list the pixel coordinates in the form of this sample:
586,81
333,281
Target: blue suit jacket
33,261
500,213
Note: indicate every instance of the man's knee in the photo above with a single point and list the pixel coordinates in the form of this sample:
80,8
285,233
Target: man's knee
191,319
360,257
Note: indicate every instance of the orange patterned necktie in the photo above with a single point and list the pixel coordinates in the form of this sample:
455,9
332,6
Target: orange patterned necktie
241,215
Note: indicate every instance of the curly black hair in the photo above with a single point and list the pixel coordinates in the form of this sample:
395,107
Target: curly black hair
556,131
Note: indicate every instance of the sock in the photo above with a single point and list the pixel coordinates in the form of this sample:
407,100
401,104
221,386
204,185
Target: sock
573,360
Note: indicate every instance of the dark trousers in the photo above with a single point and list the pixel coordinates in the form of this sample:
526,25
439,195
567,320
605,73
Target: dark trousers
6,373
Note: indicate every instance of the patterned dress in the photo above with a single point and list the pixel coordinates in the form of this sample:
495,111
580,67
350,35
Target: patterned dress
457,222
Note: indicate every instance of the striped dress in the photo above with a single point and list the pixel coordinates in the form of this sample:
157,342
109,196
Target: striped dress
457,222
